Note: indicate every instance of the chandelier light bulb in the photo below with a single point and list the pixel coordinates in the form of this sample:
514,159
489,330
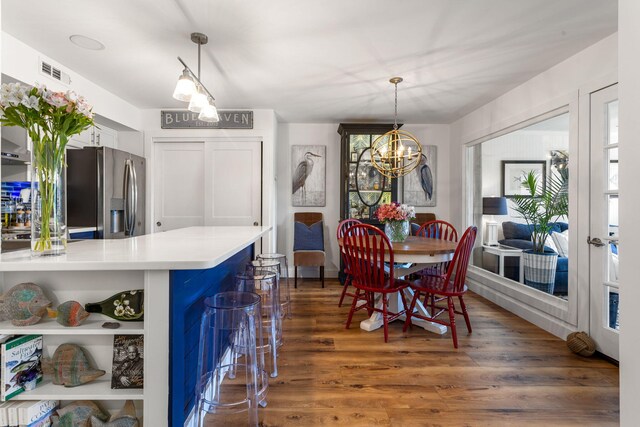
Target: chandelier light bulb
185,87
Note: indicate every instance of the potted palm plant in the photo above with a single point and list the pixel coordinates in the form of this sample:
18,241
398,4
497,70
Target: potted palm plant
541,207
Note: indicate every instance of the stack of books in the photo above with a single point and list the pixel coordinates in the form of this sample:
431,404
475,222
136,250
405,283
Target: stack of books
27,413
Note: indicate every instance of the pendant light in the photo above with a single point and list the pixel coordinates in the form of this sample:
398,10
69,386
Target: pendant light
190,89
184,88
396,153
209,113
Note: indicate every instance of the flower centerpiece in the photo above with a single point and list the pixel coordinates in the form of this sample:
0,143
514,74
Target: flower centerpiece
395,217
50,119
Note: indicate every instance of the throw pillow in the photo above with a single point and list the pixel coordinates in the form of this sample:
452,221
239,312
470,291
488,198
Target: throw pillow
308,238
550,243
561,241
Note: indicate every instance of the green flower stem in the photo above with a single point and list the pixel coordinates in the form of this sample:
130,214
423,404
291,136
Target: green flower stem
48,152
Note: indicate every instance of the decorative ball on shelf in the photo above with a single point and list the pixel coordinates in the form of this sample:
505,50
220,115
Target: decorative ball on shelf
581,343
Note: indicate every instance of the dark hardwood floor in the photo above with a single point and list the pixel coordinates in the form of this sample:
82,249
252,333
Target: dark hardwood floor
507,372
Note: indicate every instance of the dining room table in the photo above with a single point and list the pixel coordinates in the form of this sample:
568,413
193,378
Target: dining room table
410,256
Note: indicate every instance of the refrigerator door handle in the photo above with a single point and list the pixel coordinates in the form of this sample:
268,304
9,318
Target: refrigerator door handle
129,225
134,198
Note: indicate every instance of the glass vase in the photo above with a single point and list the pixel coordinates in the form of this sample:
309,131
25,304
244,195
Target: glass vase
48,205
397,231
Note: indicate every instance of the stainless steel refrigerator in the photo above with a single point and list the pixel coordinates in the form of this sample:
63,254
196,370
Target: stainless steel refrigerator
105,190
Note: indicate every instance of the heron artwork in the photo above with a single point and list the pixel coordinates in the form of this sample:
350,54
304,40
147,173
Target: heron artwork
426,178
302,173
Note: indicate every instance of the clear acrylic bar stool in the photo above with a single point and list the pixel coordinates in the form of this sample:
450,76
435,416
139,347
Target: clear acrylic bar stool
283,270
265,284
231,379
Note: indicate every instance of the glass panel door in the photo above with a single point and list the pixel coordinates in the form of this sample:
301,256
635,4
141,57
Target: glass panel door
604,248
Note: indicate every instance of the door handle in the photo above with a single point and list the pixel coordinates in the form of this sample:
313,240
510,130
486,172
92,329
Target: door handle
159,224
595,242
256,223
130,197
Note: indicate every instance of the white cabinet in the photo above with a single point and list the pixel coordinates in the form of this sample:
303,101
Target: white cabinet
95,136
105,137
81,140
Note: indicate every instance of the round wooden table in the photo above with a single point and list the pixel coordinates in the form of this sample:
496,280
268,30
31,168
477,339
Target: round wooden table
414,254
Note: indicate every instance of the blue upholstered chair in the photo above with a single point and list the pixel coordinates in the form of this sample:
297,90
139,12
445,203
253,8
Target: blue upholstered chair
308,242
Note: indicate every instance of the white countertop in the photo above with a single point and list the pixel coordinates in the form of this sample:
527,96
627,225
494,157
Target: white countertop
190,248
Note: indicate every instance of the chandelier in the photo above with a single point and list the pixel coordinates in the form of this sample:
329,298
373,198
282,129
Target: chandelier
190,89
396,153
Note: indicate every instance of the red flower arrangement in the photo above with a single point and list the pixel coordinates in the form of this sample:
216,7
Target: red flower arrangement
395,212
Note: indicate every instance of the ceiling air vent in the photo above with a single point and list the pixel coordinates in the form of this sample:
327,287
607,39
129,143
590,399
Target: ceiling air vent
55,73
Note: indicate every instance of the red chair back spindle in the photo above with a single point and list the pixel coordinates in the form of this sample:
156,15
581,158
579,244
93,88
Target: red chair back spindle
460,261
365,248
344,226
438,229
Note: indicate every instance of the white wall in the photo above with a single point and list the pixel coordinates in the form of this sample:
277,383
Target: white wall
131,142
21,62
629,176
264,127
327,134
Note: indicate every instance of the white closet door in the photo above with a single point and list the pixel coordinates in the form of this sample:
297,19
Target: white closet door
233,189
179,185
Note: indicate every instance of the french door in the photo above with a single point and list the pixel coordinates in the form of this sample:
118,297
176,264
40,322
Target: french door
603,254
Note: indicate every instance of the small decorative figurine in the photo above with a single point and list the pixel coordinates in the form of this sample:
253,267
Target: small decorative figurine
70,366
125,306
69,313
24,304
78,414
125,418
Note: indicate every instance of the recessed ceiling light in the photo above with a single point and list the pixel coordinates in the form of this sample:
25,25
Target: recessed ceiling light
86,42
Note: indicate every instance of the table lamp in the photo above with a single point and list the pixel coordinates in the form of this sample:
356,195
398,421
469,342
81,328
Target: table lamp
493,206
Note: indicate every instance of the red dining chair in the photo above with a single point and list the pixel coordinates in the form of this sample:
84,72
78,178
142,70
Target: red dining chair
451,285
342,228
365,248
437,229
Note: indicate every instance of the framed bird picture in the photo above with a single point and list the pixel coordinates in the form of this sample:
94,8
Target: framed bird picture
420,184
308,175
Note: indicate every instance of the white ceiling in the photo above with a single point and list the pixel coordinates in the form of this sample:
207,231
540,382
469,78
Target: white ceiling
317,61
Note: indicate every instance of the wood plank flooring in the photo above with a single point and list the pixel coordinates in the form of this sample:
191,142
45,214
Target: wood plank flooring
507,372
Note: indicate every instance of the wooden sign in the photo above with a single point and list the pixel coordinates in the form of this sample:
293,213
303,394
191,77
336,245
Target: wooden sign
185,119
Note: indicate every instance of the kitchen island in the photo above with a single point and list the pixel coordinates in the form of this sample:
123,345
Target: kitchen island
177,269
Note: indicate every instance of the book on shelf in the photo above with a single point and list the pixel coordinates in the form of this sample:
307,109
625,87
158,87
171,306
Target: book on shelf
36,413
20,365
4,413
128,361
27,413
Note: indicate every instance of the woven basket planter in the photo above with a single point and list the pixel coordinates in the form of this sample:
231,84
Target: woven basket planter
540,270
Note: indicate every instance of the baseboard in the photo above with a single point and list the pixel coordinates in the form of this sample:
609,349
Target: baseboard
539,318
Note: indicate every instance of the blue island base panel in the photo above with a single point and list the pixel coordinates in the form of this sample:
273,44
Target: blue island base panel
188,290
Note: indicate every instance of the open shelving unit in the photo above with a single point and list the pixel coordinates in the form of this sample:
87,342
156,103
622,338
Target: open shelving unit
97,341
